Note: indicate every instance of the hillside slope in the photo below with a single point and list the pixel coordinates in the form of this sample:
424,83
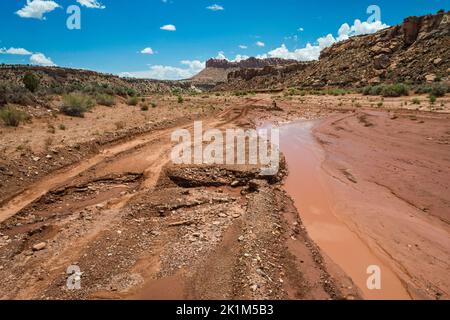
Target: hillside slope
416,51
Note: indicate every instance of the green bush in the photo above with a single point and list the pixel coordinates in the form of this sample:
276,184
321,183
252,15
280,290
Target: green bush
133,101
435,89
76,104
180,99
31,82
433,99
416,101
12,117
395,90
15,94
387,90
439,90
105,100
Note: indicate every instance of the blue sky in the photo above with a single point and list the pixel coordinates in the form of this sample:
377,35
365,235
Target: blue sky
114,32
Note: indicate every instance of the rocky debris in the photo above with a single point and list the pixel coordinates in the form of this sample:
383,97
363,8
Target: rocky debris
216,176
40,246
411,51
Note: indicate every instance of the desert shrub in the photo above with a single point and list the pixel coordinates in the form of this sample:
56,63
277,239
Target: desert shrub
176,91
55,88
120,91
433,99
435,89
180,99
12,117
153,105
31,82
51,129
439,90
119,125
144,107
15,94
76,104
387,90
62,127
416,101
105,100
133,101
395,90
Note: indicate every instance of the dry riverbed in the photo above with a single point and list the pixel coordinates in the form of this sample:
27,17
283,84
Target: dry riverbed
136,225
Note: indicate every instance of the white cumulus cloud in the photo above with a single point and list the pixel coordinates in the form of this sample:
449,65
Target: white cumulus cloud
238,57
242,46
147,51
189,68
37,9
92,4
41,59
16,51
312,51
260,44
215,7
169,27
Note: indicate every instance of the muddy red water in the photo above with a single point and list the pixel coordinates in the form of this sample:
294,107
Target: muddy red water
311,188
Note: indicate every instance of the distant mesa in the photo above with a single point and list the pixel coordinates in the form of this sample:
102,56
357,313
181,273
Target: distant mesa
217,70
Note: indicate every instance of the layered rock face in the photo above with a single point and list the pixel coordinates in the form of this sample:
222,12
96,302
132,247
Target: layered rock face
416,51
248,63
218,70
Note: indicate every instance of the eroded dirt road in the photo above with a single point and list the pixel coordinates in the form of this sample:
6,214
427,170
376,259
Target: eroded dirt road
136,225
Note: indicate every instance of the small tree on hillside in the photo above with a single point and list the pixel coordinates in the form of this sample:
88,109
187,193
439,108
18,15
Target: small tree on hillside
31,82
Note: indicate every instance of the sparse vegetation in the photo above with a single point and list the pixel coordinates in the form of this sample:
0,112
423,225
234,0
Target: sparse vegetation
144,107
133,101
76,104
435,89
387,90
51,129
62,127
119,125
105,100
15,94
12,116
31,82
416,101
153,105
433,99
180,99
